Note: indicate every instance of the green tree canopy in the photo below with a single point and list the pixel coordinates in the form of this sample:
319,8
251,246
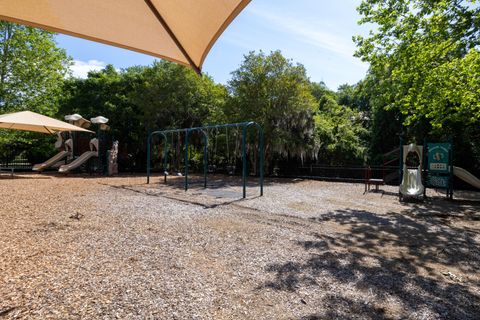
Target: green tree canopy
32,69
339,129
138,99
172,96
276,93
425,57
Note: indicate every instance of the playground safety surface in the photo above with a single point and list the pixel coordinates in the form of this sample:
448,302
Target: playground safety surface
91,247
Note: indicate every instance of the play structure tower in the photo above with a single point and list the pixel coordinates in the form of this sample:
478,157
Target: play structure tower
97,147
102,126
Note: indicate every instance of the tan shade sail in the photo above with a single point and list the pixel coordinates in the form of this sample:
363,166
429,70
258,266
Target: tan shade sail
182,31
31,121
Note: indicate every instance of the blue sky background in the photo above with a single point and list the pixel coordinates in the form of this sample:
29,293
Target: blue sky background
316,33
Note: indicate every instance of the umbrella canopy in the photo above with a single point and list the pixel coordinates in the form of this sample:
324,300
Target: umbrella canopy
31,121
182,31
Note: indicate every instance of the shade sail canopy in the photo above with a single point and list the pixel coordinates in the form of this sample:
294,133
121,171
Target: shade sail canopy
182,31
31,121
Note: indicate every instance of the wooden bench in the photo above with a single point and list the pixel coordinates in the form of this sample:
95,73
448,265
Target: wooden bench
8,170
372,181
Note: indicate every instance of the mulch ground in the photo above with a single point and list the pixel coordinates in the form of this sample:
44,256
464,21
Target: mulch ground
91,247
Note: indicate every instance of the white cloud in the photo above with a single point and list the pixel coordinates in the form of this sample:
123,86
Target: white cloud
311,34
80,68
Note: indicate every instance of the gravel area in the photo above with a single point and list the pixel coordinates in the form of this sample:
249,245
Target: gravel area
80,247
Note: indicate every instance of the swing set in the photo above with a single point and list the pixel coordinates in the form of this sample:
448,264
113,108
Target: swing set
175,148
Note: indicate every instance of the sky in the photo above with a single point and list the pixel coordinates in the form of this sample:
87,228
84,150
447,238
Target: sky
315,33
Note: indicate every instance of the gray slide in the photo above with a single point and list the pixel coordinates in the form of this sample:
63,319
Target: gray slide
412,178
56,158
82,159
50,162
466,176
78,162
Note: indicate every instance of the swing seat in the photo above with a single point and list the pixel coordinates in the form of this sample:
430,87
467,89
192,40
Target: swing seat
179,174
165,173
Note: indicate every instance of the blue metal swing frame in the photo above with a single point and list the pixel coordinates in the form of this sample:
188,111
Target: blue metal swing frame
243,125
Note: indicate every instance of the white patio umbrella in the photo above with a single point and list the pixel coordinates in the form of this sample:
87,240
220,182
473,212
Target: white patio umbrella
182,31
31,121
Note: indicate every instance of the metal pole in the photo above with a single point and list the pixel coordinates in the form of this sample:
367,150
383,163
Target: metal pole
148,156
186,159
425,171
165,159
451,168
244,161
205,159
262,157
400,168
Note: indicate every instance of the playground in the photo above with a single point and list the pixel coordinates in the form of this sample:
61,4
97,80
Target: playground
86,247
304,167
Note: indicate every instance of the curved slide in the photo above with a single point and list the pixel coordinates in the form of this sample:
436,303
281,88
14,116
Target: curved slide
412,182
50,162
78,162
466,176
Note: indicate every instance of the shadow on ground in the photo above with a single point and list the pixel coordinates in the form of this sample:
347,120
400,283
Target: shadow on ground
410,265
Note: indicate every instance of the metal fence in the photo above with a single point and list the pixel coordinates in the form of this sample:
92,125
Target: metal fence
344,173
17,164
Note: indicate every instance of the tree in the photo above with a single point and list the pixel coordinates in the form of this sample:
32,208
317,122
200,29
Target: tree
172,96
274,92
32,70
107,93
140,99
425,56
339,132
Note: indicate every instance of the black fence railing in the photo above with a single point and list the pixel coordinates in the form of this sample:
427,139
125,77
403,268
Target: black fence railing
344,173
17,164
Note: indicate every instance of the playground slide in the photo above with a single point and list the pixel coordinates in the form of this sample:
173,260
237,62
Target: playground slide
466,176
78,162
411,183
50,162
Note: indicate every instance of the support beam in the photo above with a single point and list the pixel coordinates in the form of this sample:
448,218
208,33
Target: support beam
173,36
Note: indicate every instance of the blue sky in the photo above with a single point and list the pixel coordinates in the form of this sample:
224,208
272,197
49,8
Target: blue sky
316,33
